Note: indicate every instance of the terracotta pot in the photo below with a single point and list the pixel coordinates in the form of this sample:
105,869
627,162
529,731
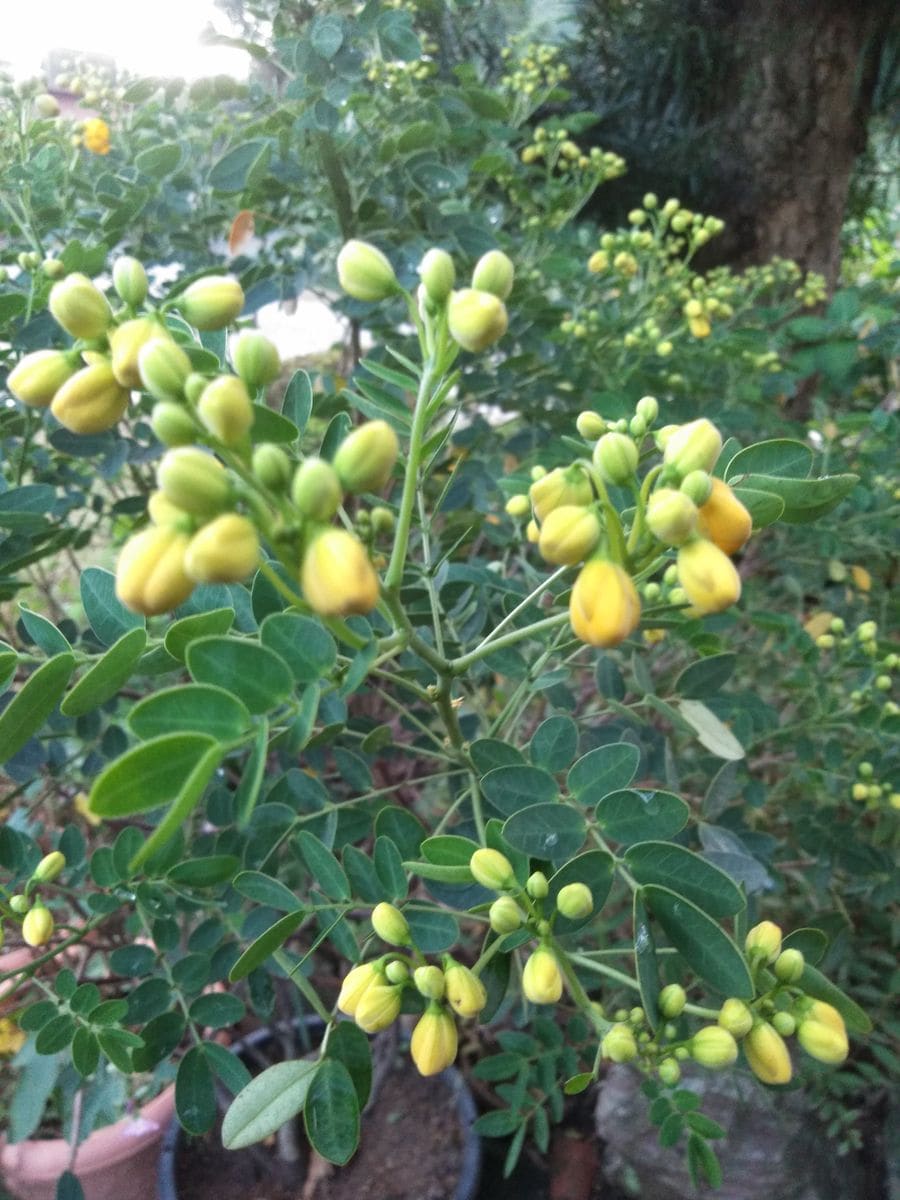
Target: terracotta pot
113,1162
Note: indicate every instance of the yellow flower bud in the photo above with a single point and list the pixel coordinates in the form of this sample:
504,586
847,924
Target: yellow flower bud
476,319
194,481
163,368
724,520
390,924
784,1023
255,359
671,516
533,532
492,869
822,1033
430,982
466,994
357,980
316,489
569,534
590,425
669,1072
767,1055
537,886
162,511
789,966
37,377
598,262
150,574
518,506
764,941
337,577
575,901
672,1000
604,607
542,980
91,401
365,458
79,307
736,1017
273,467
365,273
708,576
619,1045
693,447
505,915
172,424
130,280
616,458
225,409
699,327
714,1047
397,971
19,903
37,927
379,1006
96,134
494,273
433,1043
647,409
212,302
558,487
126,343
438,274
46,105
224,551
49,867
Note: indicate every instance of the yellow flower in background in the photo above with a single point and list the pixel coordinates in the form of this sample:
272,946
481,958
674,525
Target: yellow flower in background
95,136
12,1038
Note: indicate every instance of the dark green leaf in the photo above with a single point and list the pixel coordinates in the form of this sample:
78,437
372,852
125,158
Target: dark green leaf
195,1095
267,943
555,831
634,816
245,668
33,703
706,948
191,707
512,788
686,873
305,646
606,769
267,1103
107,676
554,744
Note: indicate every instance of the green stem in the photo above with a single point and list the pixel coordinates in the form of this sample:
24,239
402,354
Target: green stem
394,575
461,664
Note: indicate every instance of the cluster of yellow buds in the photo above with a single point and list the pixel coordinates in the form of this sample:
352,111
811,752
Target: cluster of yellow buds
560,152
872,791
372,993
37,920
533,69
680,507
397,74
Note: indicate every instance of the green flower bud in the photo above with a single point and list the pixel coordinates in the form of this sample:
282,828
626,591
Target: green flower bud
194,387
693,447
126,343
569,534
92,401
619,1044
130,281
38,376
49,867
697,486
365,458
669,1072
79,307
505,915
225,409
784,1023
713,1047
788,966
616,458
494,273
390,924
430,982
19,904
365,273
272,467
671,516
672,1000
438,275
476,319
46,105
316,489
255,359
194,481
537,886
397,971
736,1017
172,424
163,368
383,521
53,268
492,870
224,551
590,425
212,302
575,901
647,409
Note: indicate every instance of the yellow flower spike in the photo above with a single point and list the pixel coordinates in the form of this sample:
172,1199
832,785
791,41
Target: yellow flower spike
723,520
92,401
357,980
542,980
465,992
568,535
604,607
708,576
767,1054
379,1006
151,577
433,1044
37,927
224,551
337,577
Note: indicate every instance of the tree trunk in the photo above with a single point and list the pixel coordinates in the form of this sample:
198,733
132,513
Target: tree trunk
794,115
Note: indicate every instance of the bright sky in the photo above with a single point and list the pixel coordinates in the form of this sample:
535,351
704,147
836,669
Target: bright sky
147,37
